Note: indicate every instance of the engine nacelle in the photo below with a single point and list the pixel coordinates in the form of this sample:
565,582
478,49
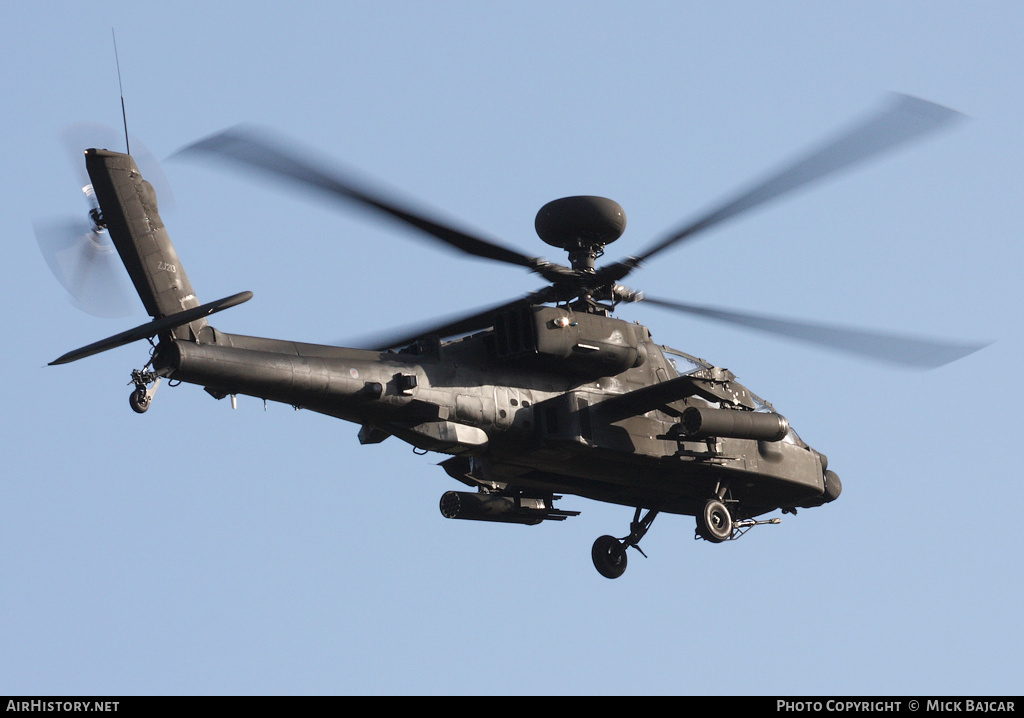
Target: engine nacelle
701,423
585,344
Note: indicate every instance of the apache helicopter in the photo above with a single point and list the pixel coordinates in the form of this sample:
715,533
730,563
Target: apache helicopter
532,398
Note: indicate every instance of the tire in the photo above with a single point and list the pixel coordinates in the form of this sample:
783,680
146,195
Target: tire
139,400
714,523
609,556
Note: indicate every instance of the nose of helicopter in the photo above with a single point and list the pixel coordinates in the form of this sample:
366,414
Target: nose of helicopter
833,486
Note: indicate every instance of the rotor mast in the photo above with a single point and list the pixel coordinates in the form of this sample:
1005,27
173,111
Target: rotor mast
582,226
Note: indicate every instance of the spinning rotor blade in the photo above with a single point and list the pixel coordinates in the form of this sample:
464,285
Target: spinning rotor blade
908,351
246,147
480,319
78,250
904,119
85,262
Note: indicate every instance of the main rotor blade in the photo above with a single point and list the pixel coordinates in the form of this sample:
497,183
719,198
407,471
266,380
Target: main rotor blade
908,351
462,324
903,119
256,149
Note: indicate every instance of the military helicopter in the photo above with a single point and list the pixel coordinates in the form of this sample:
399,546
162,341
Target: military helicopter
532,398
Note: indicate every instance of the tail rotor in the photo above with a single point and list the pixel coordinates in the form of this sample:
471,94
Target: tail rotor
81,256
77,249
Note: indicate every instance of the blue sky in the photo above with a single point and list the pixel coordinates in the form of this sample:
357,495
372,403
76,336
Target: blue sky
198,550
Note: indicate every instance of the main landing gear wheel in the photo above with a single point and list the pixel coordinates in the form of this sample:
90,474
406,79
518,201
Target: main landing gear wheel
609,553
714,523
609,556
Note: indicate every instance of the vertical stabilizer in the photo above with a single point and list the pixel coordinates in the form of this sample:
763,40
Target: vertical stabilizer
129,207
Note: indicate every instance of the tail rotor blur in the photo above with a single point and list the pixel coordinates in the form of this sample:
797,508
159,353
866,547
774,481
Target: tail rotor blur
83,259
77,249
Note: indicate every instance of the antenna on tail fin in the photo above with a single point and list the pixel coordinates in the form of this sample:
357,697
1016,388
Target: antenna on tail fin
124,115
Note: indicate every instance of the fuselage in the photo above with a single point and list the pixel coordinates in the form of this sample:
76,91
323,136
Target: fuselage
533,423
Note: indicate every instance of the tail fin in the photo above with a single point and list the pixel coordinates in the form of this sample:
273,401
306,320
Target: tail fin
129,207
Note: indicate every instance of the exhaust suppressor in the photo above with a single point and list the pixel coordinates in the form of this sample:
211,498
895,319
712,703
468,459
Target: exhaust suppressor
701,423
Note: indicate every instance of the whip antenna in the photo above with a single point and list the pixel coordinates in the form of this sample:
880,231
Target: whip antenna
124,116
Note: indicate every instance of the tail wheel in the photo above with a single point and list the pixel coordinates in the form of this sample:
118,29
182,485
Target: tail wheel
714,523
140,400
609,556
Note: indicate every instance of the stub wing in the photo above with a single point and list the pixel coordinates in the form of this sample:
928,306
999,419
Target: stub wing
662,394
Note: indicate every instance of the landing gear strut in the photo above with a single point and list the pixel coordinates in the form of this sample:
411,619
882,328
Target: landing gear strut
609,553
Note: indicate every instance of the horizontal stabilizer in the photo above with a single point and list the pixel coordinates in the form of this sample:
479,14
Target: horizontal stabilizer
151,329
